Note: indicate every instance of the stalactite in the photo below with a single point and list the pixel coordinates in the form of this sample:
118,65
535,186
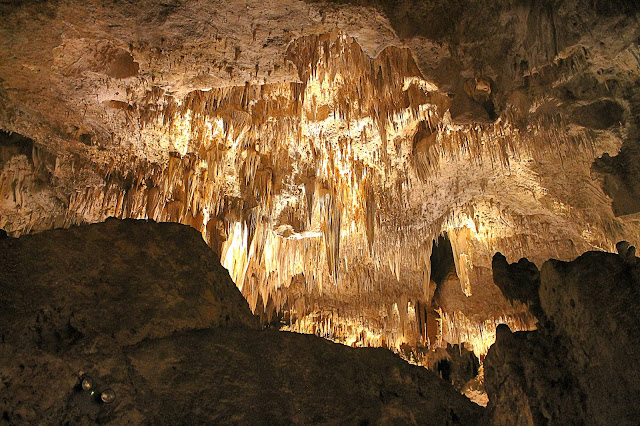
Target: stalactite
324,195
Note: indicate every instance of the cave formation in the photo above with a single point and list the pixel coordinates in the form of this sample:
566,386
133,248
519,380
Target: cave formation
354,165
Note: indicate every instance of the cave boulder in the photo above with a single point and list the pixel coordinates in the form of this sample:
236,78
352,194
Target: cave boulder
113,283
580,366
147,313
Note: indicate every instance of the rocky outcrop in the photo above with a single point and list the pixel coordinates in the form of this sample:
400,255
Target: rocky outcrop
518,282
580,367
120,281
146,311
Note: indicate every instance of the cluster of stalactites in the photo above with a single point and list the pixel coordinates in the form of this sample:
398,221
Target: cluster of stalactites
305,187
479,335
396,325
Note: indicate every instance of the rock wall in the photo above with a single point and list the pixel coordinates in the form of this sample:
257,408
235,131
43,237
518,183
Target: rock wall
579,367
147,311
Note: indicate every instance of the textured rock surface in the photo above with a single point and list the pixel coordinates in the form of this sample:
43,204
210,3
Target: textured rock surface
455,364
273,377
580,366
321,147
146,309
117,281
518,282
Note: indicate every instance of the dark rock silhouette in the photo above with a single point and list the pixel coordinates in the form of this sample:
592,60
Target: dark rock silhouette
146,311
580,367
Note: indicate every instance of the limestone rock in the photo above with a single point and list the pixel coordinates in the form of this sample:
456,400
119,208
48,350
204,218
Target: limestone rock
528,382
145,310
591,302
322,146
113,283
222,376
580,366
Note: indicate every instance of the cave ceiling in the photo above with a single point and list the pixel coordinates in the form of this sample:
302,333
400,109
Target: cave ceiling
321,148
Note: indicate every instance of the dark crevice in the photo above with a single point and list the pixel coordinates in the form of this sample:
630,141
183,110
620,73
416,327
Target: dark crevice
618,173
442,261
491,109
444,369
12,144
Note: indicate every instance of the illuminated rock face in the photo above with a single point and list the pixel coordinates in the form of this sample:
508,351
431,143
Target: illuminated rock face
321,155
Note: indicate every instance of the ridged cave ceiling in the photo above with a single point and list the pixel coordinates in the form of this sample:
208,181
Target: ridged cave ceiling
324,149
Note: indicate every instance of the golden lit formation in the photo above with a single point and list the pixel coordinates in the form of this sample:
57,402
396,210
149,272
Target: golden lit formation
452,183
324,196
